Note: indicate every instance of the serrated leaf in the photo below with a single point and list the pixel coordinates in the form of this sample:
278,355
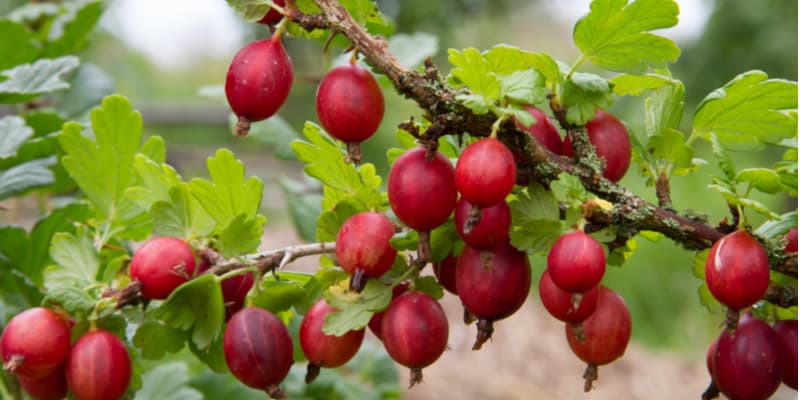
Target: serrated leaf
568,188
76,259
274,131
748,112
615,34
168,382
764,179
723,159
771,229
23,177
19,47
429,285
535,218
621,253
13,132
155,340
183,217
524,87
699,264
670,145
28,81
69,31
355,309
664,108
536,203
71,299
472,70
283,293
634,85
228,194
250,10
61,219
213,356
546,66
583,94
195,306
241,236
536,236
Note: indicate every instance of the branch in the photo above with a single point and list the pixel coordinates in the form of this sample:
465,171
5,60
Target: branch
784,296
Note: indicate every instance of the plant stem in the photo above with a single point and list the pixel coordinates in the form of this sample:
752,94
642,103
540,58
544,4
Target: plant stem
3,389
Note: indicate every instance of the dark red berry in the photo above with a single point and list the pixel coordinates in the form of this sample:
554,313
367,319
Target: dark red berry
35,343
445,272
362,247
737,270
543,130
258,349
377,318
791,241
422,192
566,306
323,350
787,332
350,103
50,387
415,332
611,142
234,289
485,172
492,284
258,81
161,265
98,367
492,227
576,262
747,363
272,16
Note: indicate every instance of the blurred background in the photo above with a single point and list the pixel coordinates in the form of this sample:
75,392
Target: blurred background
170,59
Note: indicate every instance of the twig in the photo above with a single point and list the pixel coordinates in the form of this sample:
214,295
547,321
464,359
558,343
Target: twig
784,296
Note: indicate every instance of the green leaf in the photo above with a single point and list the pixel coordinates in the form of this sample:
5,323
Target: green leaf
19,47
213,356
250,10
472,70
568,188
535,218
182,216
224,386
23,177
228,194
708,300
329,222
283,293
523,87
13,133
634,85
76,259
155,340
241,236
28,81
546,66
670,145
167,382
764,179
622,253
723,159
664,108
583,94
88,86
748,111
615,35
73,300
771,229
429,285
356,309
196,305
699,264
274,131
69,31
61,219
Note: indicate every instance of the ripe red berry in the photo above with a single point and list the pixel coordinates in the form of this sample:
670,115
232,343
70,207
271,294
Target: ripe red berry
787,332
562,304
35,343
234,289
323,350
350,103
543,130
611,142
576,262
737,270
485,172
747,363
492,284
445,272
791,241
415,332
258,81
258,349
272,16
605,333
362,247
492,227
50,387
98,367
161,265
376,320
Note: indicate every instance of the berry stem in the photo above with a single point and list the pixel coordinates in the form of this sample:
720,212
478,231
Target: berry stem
424,246
275,392
589,376
358,281
353,152
312,372
416,377
732,319
711,392
485,330
242,127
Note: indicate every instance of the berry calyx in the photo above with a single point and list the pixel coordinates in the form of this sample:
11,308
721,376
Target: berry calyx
566,306
272,16
737,270
323,350
485,172
50,387
611,143
445,272
492,227
422,193
161,265
492,285
415,332
258,82
35,343
542,130
747,362
350,106
258,350
606,334
98,367
576,262
376,320
787,332
363,249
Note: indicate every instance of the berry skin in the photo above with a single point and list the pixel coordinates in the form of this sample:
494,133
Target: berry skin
272,16
422,192
323,350
350,103
492,284
377,318
791,241
50,387
747,363
611,142
543,130
492,227
485,172
737,270
259,80
258,349
445,272
35,343
415,332
362,246
98,367
787,332
560,304
161,265
576,262
234,289
606,332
